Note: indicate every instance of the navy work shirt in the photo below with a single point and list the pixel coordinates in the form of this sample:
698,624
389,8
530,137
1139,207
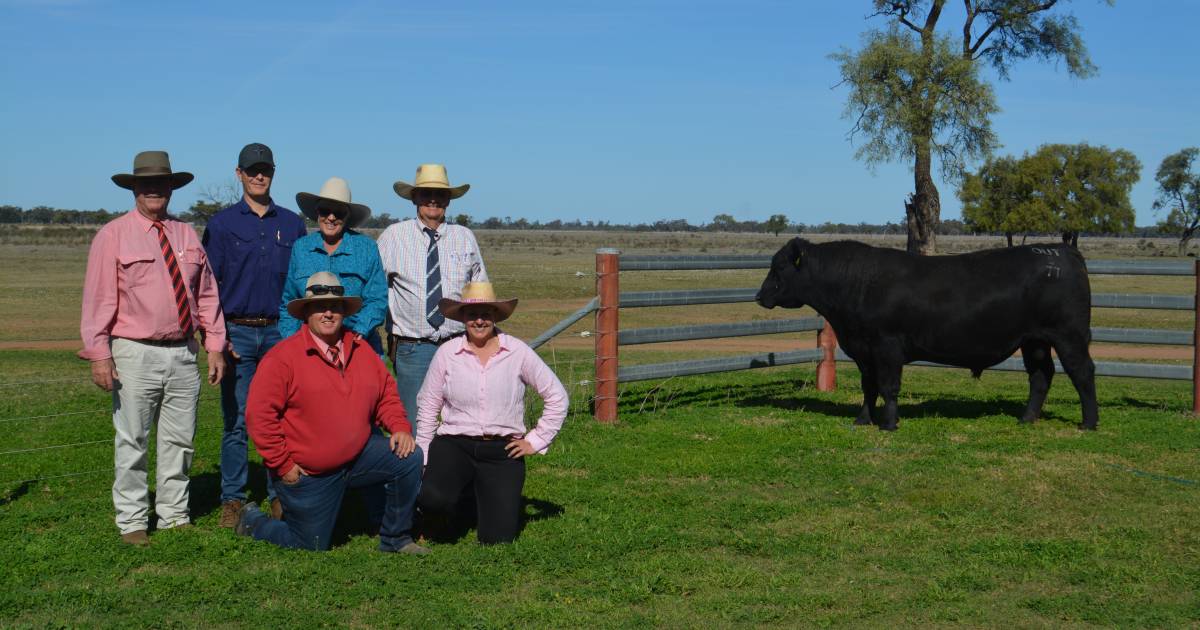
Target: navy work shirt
249,256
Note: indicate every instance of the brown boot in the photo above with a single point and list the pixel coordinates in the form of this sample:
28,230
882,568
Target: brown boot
229,513
277,509
137,539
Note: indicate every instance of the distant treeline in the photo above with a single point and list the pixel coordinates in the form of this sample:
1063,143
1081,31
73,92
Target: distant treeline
45,215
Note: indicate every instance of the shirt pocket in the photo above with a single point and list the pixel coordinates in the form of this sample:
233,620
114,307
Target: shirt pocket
192,261
136,269
283,256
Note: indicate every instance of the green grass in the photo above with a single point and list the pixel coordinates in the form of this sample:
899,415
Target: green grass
738,499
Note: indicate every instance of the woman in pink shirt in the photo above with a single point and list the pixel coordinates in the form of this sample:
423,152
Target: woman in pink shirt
477,383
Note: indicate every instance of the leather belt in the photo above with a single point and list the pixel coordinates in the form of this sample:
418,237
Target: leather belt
256,322
394,339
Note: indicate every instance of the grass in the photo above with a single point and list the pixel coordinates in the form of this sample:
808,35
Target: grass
738,499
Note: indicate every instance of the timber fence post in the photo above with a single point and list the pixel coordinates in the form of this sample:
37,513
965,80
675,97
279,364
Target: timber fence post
608,292
1196,346
827,368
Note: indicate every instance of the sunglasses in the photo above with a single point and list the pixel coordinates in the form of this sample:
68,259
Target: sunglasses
256,170
338,213
325,289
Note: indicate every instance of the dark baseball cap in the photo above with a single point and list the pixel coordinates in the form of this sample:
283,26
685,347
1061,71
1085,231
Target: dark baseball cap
255,153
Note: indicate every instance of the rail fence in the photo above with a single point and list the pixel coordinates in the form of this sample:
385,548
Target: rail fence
609,336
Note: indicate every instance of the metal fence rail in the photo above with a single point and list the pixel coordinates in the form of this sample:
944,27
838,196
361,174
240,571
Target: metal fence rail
1144,335
723,364
685,262
641,299
1103,368
715,331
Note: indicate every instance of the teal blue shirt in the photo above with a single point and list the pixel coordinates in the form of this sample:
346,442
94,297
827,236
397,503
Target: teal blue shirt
356,261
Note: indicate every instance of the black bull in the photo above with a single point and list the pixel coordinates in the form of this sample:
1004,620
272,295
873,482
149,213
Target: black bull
972,310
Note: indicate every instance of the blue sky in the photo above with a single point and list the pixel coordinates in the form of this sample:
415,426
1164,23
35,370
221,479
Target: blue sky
619,111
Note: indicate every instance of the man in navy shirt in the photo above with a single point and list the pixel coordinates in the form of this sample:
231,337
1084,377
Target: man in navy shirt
249,245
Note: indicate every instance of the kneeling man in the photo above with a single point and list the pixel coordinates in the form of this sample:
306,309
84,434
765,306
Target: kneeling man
310,410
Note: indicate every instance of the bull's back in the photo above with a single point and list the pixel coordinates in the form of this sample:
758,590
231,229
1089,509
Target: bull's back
972,309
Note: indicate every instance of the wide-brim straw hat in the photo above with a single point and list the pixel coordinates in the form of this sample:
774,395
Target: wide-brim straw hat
335,192
475,294
149,164
430,176
350,303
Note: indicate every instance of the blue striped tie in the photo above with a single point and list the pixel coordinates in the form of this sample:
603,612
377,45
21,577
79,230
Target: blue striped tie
433,282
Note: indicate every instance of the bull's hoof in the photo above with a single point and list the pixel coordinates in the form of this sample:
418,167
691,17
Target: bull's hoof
1083,426
889,427
860,421
1027,420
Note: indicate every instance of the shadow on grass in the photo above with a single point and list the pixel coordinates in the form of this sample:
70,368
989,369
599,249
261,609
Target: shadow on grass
16,493
798,396
205,493
451,528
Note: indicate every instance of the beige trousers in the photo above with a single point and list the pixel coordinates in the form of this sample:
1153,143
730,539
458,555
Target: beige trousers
156,384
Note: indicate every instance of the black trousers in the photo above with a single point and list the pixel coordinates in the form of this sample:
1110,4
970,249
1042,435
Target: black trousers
456,461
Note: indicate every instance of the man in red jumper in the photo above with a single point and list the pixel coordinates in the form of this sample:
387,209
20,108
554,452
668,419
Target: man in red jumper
310,409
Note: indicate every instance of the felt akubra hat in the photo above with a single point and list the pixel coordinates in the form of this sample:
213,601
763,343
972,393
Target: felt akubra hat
430,176
476,294
323,282
148,164
334,193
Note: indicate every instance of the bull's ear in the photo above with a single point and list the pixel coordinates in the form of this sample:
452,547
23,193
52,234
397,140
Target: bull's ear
796,251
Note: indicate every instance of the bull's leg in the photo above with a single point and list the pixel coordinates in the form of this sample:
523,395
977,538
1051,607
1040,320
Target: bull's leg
889,388
1040,366
1077,363
870,390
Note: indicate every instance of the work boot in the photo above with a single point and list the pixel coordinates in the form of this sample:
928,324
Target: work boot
247,519
277,509
229,513
137,539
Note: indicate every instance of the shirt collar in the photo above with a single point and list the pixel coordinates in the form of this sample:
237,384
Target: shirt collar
244,207
322,348
462,342
145,223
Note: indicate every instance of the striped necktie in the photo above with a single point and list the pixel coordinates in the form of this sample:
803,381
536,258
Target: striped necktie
181,302
335,358
433,282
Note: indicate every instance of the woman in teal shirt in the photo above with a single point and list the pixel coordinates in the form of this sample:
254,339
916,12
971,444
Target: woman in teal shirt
337,248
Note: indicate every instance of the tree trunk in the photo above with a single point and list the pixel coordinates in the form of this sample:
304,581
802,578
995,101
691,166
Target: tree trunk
1009,236
923,210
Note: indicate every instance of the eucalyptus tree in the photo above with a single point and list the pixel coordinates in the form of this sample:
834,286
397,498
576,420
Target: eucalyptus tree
1063,188
1179,193
916,93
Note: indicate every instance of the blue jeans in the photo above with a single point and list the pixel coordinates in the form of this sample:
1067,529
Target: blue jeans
311,505
411,363
251,343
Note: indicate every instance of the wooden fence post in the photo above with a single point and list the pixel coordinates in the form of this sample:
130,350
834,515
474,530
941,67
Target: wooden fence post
827,368
608,267
1196,347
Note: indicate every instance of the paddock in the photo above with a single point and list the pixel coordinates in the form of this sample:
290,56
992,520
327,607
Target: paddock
609,336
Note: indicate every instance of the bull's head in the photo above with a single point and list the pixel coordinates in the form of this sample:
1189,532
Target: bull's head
785,284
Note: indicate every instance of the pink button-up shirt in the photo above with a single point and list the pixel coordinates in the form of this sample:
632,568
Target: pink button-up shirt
127,290
476,399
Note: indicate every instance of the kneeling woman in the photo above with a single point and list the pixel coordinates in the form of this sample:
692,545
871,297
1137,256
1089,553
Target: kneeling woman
477,382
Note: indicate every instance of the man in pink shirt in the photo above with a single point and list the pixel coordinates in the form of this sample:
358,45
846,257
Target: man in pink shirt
311,407
147,291
477,383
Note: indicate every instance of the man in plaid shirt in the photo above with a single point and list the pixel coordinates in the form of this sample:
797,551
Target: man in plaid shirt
426,259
